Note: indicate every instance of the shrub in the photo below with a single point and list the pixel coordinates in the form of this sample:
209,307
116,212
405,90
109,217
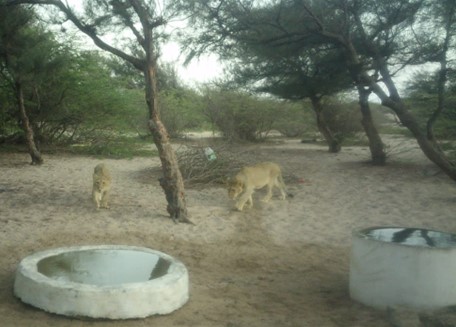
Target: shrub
239,116
343,119
295,119
180,110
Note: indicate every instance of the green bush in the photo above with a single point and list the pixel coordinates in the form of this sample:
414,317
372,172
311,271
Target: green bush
181,110
295,119
239,116
343,119
118,147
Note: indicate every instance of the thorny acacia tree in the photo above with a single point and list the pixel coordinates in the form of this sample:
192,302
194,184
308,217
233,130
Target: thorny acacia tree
142,22
375,38
291,74
270,55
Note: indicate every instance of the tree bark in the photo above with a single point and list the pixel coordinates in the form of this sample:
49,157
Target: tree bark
395,103
172,181
428,147
333,144
376,145
35,154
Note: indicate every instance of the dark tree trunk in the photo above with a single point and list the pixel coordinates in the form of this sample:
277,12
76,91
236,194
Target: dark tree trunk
333,144
172,181
376,145
395,103
33,149
428,147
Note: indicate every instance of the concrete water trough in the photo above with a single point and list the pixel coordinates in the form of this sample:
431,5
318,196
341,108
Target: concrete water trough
408,267
102,281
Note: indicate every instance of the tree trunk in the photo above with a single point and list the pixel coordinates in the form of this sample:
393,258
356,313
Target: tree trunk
172,181
333,144
33,150
428,147
376,146
395,103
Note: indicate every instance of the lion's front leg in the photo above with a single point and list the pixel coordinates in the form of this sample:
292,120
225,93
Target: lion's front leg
249,202
96,196
105,199
246,198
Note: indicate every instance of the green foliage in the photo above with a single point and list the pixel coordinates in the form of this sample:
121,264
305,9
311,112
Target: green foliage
102,104
32,59
118,147
295,119
423,100
343,119
239,116
181,110
242,117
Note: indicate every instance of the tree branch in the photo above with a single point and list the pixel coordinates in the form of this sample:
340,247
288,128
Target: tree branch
89,30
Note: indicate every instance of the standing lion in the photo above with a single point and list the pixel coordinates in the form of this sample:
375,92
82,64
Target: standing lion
101,186
251,178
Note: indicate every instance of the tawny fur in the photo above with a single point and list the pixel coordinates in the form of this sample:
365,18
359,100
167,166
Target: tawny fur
251,178
101,186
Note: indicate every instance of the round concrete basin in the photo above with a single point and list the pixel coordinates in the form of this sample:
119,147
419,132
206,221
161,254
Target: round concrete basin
409,267
103,281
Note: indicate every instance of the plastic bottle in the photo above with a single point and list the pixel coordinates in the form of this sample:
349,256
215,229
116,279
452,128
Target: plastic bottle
210,154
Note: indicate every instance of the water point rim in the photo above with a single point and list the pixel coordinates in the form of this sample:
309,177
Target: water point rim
29,263
362,233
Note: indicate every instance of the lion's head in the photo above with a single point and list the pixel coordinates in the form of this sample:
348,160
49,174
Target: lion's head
235,187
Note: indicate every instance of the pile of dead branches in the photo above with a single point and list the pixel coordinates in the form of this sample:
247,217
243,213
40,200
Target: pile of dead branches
197,169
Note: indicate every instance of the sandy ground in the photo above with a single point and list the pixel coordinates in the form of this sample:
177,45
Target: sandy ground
284,263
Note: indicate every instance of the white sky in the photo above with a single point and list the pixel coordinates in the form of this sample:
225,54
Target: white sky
198,71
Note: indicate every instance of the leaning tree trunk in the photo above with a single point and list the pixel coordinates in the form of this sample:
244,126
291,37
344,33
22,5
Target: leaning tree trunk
376,145
428,147
172,181
395,103
35,154
333,144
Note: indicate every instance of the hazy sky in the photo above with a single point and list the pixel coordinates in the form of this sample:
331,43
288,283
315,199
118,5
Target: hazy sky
196,72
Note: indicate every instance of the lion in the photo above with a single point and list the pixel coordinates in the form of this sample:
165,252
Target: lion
255,177
101,186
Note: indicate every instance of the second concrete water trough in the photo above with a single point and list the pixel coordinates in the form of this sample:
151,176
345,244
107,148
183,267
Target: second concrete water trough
409,267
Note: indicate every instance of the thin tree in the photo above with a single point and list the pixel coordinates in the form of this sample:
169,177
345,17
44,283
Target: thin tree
274,70
18,64
144,20
436,45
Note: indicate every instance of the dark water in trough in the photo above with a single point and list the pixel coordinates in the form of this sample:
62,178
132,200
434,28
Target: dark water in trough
411,236
104,267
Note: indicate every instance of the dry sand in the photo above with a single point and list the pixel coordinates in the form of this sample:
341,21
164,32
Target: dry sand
284,263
